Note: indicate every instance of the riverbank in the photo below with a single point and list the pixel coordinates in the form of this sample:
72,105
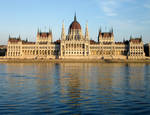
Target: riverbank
73,61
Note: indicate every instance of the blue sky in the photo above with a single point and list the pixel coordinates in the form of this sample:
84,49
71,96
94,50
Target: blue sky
24,17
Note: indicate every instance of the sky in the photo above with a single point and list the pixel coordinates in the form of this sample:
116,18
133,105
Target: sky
24,17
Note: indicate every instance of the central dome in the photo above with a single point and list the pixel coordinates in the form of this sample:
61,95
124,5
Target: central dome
75,24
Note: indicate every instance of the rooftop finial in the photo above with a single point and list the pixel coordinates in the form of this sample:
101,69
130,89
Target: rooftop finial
38,30
75,18
49,30
130,36
111,30
100,29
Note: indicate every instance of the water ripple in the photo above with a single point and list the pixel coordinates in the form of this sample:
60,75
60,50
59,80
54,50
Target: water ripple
75,89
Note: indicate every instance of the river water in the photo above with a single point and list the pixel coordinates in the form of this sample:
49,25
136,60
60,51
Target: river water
74,88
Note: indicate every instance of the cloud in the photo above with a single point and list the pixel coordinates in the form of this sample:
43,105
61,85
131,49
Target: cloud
109,7
147,6
112,7
145,22
109,11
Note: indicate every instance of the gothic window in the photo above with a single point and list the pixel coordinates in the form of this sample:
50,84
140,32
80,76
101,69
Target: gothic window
82,45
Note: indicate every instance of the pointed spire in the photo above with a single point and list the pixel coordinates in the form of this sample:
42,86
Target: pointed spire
99,34
19,36
123,39
86,32
100,30
63,32
38,30
50,31
75,18
26,39
9,36
63,25
130,36
87,25
111,30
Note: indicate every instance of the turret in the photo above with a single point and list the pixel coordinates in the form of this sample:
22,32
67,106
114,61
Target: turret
44,37
111,31
63,35
86,32
99,34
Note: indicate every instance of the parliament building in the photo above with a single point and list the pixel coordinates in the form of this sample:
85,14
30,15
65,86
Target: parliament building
75,45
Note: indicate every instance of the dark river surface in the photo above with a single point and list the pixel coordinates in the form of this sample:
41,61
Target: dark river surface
74,88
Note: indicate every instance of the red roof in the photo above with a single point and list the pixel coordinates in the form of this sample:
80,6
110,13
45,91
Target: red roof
44,34
136,40
14,39
26,42
106,34
75,25
93,42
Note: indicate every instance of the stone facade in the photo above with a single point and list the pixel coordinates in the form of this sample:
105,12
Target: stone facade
75,45
136,49
41,49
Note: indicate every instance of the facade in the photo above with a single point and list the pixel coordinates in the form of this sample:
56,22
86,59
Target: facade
42,48
75,45
136,49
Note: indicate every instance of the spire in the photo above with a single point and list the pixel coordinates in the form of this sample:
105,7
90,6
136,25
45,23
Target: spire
100,30
26,39
19,36
38,30
86,32
124,40
63,32
75,18
50,31
99,34
130,36
111,30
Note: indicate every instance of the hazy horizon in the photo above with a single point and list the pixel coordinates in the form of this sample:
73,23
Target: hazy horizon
127,17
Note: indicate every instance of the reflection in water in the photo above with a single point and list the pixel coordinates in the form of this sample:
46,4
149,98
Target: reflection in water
74,88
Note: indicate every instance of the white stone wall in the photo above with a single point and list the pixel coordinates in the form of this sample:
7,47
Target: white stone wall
136,51
34,51
14,49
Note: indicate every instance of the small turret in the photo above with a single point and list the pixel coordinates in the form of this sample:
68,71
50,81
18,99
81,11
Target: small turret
86,32
99,34
111,31
63,35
